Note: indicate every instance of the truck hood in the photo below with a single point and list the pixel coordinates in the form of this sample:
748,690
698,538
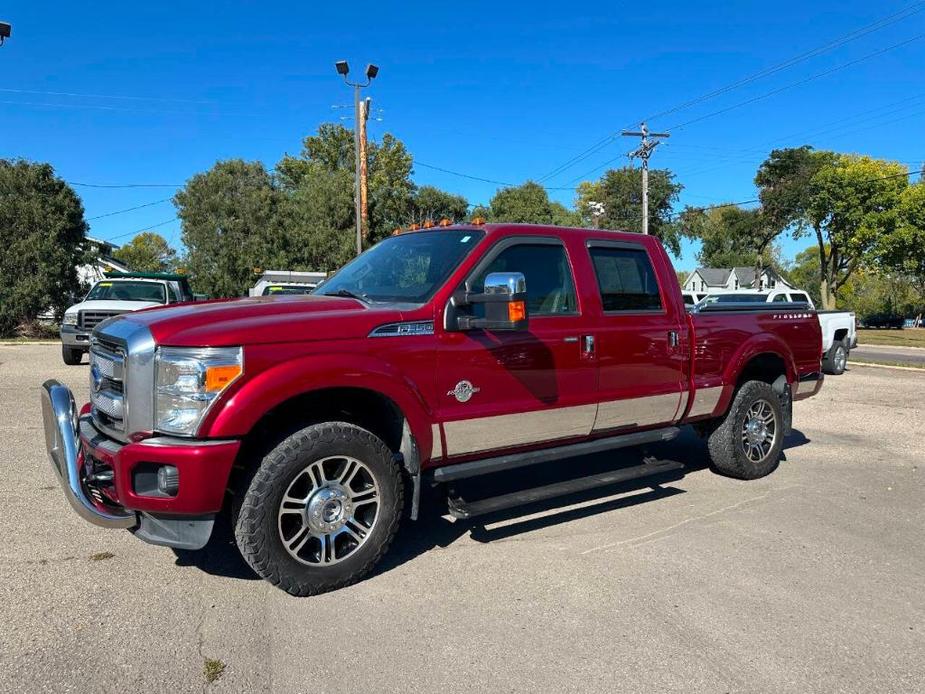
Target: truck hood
262,320
111,305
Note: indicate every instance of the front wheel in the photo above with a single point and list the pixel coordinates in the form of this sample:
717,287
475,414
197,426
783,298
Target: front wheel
748,442
71,356
321,509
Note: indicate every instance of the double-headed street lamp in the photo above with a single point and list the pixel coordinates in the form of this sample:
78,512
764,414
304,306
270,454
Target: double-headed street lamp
5,30
359,139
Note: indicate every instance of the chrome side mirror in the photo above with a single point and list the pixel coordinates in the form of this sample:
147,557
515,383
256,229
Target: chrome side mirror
505,301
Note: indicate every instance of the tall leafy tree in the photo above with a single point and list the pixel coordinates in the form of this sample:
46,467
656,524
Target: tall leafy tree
903,251
620,192
231,226
389,168
732,236
430,203
147,252
851,211
42,232
527,204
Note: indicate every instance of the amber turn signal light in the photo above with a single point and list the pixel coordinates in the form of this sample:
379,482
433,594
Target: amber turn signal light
217,377
516,311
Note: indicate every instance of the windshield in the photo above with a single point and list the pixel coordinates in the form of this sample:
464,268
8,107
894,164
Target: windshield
735,298
128,291
407,268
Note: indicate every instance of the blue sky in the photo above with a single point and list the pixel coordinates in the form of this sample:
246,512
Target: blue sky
154,92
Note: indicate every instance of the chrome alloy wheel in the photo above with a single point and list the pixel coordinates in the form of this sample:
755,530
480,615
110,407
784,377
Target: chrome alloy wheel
841,358
328,511
759,430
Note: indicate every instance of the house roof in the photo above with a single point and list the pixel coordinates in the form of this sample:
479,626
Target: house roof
714,276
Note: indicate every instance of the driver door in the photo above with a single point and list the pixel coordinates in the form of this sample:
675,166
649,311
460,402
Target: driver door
498,389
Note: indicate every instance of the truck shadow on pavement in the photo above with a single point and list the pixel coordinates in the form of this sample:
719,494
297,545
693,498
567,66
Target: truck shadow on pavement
434,529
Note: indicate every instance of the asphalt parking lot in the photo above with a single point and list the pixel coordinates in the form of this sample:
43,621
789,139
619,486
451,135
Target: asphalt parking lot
809,580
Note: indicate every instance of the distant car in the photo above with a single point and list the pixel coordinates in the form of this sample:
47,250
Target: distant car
839,328
883,320
117,293
283,282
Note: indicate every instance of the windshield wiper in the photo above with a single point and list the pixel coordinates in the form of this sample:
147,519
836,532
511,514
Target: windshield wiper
349,294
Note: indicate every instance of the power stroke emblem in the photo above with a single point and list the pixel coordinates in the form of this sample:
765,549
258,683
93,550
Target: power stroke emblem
463,391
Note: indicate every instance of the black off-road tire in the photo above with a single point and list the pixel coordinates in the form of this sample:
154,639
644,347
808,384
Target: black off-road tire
254,516
727,450
72,356
836,358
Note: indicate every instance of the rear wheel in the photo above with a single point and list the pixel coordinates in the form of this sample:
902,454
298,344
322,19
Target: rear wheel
748,442
72,356
836,359
321,509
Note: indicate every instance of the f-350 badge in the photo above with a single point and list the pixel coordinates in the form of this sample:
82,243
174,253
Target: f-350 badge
463,391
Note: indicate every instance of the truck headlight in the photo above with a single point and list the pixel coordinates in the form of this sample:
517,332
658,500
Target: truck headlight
188,381
70,318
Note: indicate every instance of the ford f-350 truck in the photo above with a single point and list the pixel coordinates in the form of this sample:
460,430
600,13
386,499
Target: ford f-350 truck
435,356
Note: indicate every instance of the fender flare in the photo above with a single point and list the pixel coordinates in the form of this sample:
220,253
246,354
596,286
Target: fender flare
756,345
235,416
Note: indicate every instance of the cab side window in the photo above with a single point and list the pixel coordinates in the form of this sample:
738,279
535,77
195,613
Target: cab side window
780,298
626,279
550,286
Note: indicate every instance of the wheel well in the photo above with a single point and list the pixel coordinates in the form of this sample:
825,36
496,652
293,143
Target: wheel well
365,408
841,334
763,367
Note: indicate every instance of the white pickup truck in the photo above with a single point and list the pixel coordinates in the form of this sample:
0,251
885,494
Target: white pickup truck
839,328
117,293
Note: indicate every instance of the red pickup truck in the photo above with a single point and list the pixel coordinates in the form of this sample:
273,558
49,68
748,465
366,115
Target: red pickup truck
435,356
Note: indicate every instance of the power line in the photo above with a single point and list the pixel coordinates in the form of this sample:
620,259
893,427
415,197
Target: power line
129,209
795,60
105,96
798,83
479,178
125,185
147,227
831,45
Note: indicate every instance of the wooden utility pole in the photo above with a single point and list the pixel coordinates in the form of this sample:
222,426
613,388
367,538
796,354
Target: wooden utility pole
363,116
644,150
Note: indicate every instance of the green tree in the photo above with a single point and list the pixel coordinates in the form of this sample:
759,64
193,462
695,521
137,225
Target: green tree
389,169
903,251
42,231
434,204
528,203
732,236
620,192
232,226
147,252
852,209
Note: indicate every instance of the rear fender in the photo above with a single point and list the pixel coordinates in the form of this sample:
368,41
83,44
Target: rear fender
763,343
237,415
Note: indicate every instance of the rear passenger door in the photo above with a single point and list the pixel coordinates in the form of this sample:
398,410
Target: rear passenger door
640,343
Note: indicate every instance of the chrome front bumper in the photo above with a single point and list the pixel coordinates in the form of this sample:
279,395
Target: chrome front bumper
60,417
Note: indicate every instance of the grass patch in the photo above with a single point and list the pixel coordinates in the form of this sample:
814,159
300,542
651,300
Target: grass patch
887,362
908,337
212,669
101,556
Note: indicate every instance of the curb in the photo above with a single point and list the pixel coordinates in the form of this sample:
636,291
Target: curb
887,366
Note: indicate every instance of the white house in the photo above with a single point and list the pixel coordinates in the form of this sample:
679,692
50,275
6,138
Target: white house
715,280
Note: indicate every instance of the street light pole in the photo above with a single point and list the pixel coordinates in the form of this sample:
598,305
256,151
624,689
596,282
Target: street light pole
359,135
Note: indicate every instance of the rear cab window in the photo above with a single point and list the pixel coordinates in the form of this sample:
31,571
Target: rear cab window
625,278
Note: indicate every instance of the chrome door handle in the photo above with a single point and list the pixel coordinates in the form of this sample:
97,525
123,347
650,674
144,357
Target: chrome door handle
571,338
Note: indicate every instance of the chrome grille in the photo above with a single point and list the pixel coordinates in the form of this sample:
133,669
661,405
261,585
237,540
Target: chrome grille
90,319
107,372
